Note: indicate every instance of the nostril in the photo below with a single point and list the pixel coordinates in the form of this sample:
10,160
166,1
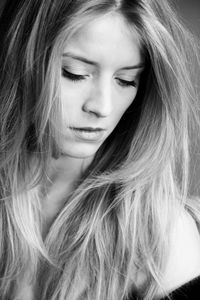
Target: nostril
94,112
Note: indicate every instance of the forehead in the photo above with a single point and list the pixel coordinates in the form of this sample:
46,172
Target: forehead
107,40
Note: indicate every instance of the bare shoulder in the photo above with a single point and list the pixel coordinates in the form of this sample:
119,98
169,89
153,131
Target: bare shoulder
184,253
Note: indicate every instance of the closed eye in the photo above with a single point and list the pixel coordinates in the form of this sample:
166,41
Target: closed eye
126,83
72,76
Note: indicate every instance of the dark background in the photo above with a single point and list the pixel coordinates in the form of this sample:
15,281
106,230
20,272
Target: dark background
189,11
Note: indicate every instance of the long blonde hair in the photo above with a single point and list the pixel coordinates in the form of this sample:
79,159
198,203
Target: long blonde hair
117,223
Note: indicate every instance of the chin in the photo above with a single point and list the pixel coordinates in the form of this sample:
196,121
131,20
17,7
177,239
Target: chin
79,151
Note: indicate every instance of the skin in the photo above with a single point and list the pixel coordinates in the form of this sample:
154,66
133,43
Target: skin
93,94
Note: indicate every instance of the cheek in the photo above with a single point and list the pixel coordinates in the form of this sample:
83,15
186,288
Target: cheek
124,103
71,96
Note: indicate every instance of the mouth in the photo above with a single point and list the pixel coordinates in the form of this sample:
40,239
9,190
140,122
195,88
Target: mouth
88,133
89,129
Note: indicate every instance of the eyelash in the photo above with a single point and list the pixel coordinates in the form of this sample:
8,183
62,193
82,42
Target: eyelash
76,78
125,83
71,76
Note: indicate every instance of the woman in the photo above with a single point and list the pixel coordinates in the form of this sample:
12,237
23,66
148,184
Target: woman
95,107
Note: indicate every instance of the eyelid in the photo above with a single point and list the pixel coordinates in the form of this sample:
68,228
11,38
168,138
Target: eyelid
79,77
72,77
74,72
127,83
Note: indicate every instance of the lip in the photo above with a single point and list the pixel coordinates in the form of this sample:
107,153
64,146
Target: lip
89,134
90,129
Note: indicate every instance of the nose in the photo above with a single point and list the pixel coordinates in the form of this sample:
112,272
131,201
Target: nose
98,101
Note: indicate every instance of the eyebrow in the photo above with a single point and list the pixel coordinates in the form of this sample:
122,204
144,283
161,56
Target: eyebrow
89,62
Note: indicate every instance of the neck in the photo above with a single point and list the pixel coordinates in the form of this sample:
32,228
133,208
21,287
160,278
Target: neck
68,169
63,175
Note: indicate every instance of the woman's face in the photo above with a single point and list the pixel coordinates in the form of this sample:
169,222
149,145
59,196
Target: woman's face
101,65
